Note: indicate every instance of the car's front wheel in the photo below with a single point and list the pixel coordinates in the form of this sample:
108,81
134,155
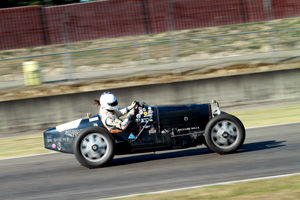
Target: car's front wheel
224,134
94,147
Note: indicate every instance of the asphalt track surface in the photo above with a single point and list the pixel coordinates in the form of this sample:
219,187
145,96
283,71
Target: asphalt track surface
267,151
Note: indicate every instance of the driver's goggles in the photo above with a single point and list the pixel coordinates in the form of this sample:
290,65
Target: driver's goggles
115,103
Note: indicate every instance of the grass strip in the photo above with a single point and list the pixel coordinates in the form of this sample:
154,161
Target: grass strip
269,115
22,146
34,144
267,189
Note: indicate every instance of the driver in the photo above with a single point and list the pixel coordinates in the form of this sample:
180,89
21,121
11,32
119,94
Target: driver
109,113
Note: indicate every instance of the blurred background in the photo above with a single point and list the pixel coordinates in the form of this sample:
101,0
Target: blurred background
70,47
117,39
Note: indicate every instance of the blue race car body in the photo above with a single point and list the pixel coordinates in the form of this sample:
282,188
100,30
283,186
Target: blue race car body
154,128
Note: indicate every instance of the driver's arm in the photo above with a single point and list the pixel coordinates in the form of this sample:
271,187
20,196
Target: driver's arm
124,111
117,123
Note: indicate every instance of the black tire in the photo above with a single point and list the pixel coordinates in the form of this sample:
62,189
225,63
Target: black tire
94,147
224,134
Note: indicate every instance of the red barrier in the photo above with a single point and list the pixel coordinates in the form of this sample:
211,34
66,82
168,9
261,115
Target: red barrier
286,8
93,20
186,14
21,27
194,13
35,26
254,11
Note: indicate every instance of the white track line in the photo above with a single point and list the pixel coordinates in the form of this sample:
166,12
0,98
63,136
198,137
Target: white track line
267,126
273,125
200,186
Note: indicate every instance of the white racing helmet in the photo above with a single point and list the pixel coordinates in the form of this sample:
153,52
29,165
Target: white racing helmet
109,101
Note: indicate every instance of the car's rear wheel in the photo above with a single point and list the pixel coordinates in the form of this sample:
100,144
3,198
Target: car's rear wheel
224,134
94,147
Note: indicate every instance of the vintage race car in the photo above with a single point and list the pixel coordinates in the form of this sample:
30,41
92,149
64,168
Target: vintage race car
153,128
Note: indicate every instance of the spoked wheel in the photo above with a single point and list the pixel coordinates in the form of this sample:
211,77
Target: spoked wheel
225,134
94,147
